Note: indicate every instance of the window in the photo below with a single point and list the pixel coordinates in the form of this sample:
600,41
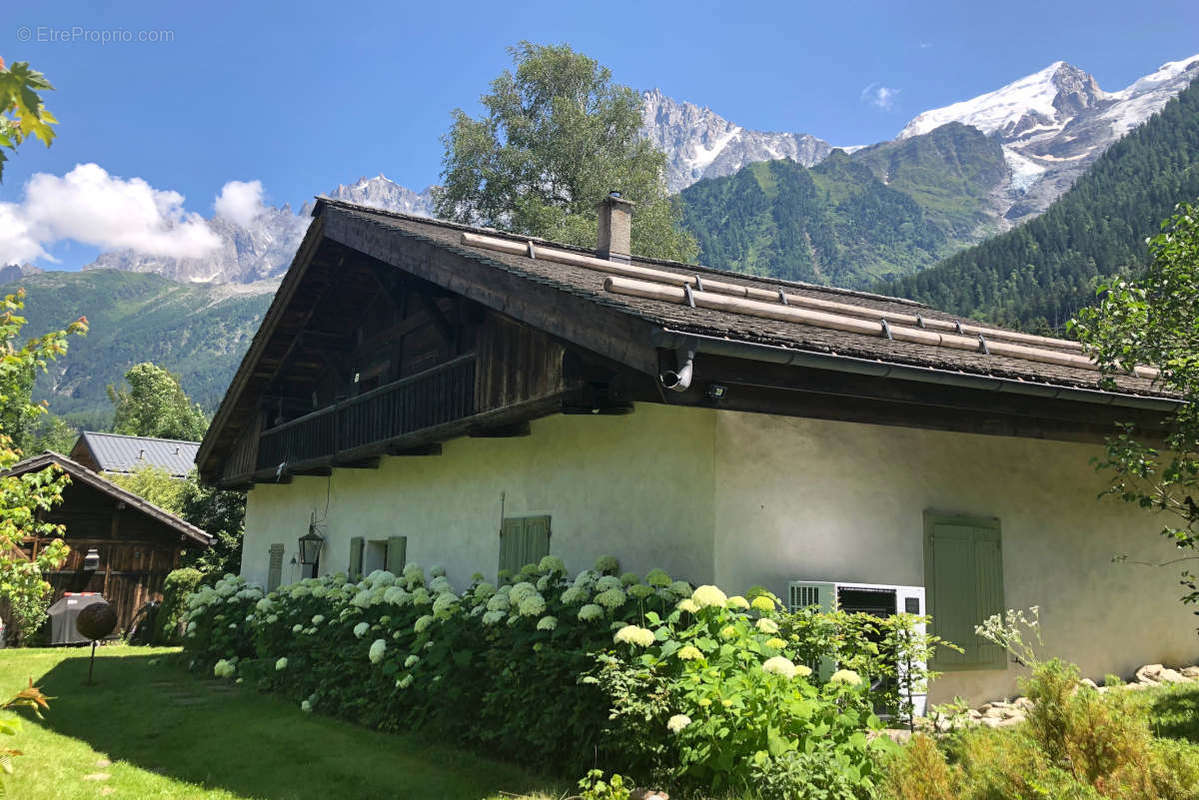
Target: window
523,540
366,557
375,556
963,573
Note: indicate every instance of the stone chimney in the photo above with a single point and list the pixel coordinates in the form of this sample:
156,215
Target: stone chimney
615,228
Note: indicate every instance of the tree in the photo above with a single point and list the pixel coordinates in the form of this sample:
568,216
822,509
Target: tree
23,592
1153,321
22,113
155,405
557,137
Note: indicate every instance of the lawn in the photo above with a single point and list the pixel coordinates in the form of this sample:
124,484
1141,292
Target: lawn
150,729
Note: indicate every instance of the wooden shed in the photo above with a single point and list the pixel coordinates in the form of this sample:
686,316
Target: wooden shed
138,542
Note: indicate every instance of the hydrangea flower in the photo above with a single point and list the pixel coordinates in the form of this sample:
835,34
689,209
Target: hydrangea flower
272,619
319,592
437,571
688,605
362,599
607,564
586,578
676,723
306,707
543,583
776,643
574,596
224,669
611,599
532,606
300,590
498,603
552,564
381,577
318,619
681,588
264,605
657,577
803,670
641,591
606,582
484,591
281,664
547,623
847,677
493,617
423,623
440,585
413,572
411,661
769,626
762,603
590,612
378,648
361,628
630,578
444,604
709,595
396,596
404,682
297,628
634,635
728,632
689,653
421,597
520,591
739,603
779,666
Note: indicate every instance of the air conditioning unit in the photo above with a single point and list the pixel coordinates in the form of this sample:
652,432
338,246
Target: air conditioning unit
880,599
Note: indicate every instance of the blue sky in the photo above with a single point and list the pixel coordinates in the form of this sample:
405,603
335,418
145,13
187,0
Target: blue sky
305,96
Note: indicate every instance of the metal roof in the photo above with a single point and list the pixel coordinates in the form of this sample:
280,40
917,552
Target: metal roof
114,452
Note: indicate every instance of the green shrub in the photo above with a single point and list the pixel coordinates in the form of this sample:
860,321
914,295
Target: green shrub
176,588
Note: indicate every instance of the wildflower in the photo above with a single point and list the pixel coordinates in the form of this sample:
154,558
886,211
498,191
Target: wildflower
634,635
547,623
378,647
575,596
606,582
306,707
552,564
689,653
613,598
590,612
411,661
709,595
779,666
318,619
423,623
605,564
281,664
847,677
768,626
361,628
676,723
532,606
704,702
762,603
688,605
776,643
657,577
492,617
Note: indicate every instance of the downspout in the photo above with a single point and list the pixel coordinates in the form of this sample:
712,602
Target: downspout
680,380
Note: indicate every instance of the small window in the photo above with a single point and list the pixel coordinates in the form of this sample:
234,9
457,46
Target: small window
375,556
963,575
523,540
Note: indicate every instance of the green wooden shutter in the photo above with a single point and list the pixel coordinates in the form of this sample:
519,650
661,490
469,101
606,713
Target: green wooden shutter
963,574
397,554
274,575
523,540
355,568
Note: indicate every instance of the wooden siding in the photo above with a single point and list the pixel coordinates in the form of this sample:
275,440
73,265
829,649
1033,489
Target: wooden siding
516,364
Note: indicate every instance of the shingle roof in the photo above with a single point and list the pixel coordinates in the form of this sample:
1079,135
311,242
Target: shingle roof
114,452
589,283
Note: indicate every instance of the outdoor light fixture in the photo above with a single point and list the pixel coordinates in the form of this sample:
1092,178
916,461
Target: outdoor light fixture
91,561
716,391
311,543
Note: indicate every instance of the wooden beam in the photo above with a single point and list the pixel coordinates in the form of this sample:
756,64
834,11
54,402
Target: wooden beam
358,463
432,449
513,430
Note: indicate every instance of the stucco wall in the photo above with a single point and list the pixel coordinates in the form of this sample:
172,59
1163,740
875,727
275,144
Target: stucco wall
801,499
638,486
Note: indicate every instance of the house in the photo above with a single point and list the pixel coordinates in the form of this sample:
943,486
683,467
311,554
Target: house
137,542
428,391
116,452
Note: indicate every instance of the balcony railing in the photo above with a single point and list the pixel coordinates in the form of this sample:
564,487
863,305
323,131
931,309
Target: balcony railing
442,394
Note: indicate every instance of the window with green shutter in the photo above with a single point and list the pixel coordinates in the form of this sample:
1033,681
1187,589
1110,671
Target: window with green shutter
963,575
523,540
397,554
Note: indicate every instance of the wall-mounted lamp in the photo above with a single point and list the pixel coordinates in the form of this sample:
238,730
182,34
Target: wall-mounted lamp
91,560
311,543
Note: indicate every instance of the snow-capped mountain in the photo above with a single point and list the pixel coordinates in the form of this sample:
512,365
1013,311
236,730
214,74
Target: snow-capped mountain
382,192
699,143
1053,124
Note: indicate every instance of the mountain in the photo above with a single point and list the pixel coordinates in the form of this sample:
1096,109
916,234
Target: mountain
198,331
1053,125
700,143
882,211
1040,273
381,192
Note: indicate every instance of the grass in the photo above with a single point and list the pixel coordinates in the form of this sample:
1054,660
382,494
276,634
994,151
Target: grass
150,729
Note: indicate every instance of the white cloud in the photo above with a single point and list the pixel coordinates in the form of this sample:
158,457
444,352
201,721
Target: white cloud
92,207
879,96
925,45
239,202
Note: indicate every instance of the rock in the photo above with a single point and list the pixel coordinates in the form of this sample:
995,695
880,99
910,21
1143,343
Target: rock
1191,672
648,794
1024,704
1090,684
1136,687
1170,676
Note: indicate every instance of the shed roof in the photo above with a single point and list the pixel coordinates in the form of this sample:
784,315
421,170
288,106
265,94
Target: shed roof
115,452
82,474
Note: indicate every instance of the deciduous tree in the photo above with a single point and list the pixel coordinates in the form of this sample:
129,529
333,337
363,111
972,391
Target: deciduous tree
22,112
155,405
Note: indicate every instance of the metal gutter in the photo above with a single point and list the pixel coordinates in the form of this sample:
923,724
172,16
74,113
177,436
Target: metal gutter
670,339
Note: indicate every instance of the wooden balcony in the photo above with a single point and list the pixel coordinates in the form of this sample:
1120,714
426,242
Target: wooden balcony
437,396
